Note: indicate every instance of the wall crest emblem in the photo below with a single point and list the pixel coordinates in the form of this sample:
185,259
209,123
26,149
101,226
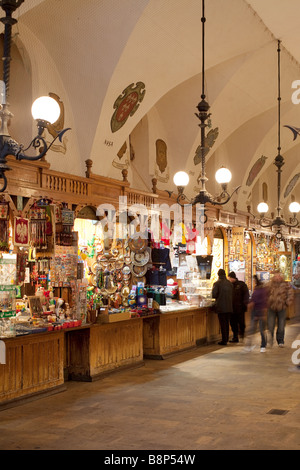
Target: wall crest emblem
127,104
291,185
208,143
255,170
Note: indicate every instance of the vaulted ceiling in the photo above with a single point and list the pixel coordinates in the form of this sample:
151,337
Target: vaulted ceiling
91,53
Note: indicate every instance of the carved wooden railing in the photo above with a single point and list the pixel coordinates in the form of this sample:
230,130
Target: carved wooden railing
35,180
67,184
38,180
140,197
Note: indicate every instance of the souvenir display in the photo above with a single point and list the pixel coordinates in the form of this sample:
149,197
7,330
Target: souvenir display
4,227
21,232
7,301
140,259
138,271
137,245
8,270
70,258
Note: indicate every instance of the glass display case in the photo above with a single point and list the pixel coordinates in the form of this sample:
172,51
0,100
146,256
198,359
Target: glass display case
196,290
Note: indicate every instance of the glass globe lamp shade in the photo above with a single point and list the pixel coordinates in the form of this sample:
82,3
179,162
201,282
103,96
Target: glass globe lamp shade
262,208
45,108
223,175
181,178
294,207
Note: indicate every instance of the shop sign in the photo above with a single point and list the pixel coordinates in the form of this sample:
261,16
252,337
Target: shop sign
238,242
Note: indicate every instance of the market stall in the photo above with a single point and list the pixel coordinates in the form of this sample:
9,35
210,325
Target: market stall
99,349
178,329
240,259
34,365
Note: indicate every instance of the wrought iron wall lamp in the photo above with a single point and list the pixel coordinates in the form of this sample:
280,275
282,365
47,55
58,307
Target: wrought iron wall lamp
45,109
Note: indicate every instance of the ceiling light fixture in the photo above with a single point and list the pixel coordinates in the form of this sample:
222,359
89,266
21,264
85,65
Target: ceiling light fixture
223,175
45,109
278,222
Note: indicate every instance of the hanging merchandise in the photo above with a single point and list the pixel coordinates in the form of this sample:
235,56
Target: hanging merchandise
4,226
8,270
266,253
21,266
57,214
161,258
21,232
64,233
137,245
67,216
191,239
63,268
34,274
140,259
38,226
81,301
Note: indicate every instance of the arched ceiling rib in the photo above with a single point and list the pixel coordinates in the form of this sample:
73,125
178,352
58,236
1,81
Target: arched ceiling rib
88,54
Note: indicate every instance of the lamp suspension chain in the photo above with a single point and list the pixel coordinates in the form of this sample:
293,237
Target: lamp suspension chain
279,160
279,98
203,115
203,19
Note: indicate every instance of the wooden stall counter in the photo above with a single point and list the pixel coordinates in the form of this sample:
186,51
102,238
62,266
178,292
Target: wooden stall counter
178,330
102,348
34,364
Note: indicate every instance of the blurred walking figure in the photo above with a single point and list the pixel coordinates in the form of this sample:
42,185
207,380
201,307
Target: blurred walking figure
239,305
280,295
258,307
222,292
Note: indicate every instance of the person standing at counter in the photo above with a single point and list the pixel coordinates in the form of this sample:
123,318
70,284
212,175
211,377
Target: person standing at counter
239,305
222,291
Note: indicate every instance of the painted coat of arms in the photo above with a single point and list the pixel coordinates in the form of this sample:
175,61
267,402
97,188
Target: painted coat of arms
127,104
255,170
21,232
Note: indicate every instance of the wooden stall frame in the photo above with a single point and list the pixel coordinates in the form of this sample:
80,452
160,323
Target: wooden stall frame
33,368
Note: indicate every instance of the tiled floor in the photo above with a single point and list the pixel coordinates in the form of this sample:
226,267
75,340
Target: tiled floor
212,397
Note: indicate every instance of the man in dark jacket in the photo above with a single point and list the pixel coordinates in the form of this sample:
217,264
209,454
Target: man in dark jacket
239,303
222,291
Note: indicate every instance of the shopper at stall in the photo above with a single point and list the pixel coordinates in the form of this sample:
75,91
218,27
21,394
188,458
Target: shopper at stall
258,308
222,291
239,305
280,296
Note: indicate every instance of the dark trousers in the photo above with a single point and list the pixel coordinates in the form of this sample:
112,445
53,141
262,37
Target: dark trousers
224,325
237,323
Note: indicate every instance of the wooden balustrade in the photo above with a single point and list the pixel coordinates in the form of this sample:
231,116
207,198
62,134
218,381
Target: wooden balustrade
140,197
35,179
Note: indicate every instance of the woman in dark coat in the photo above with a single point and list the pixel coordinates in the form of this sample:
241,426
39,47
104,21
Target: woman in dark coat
222,291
